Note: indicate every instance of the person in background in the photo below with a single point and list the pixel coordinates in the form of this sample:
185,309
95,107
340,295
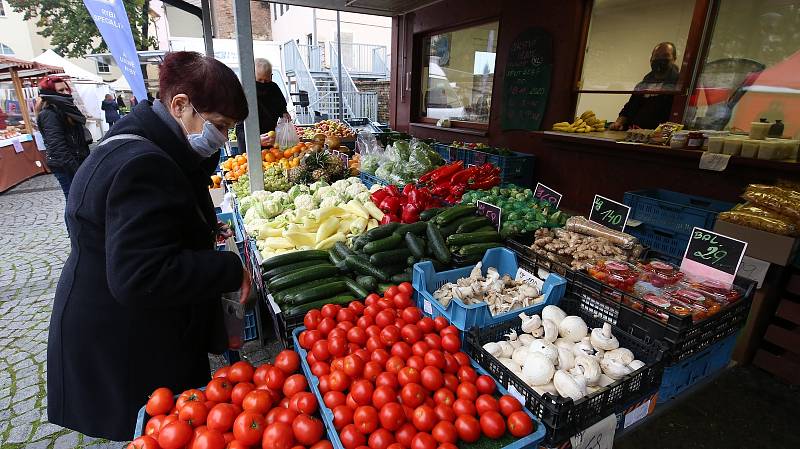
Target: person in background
134,101
109,105
648,110
120,101
271,106
138,305
62,126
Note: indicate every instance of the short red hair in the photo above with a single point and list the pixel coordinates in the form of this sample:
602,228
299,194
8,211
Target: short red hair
49,82
210,85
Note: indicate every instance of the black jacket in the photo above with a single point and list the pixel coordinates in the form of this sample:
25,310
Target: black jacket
112,110
65,141
647,111
271,107
139,292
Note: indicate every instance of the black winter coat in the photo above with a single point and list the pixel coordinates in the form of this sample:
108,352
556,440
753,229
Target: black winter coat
65,141
141,287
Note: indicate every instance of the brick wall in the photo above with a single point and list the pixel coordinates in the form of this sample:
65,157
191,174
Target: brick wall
225,26
382,88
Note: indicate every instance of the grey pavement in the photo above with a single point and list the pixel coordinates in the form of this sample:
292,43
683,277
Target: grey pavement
33,248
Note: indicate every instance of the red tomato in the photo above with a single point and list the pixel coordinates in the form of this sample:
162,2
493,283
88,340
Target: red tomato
444,396
424,418
405,434
222,372
209,439
345,315
492,424
260,374
374,344
194,395
275,378
485,384
285,415
312,319
365,321
400,323
357,307
329,310
401,300
468,428
384,318
401,348
372,310
345,325
342,416
420,348
405,287
221,417
371,371
411,333
287,361
450,363
380,439
423,440
175,435
143,442
320,369
154,425
326,326
392,416
333,398
194,413
416,362
277,435
310,357
412,395
520,424
353,366
160,402
294,384
362,391
395,364
351,437
320,350
451,343
445,432
388,380
371,298
366,419
433,341
467,391
383,395
467,374
257,401
447,446
431,378
307,429
462,358
408,375
486,403
380,356
324,444
440,323
386,303
391,291
434,357
350,402
426,324
306,402
411,314
172,417
464,407
509,404
445,413
357,335
337,346
339,380
325,383
337,364
219,390
242,371
390,334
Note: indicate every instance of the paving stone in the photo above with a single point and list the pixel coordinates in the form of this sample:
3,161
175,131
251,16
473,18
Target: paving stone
67,441
45,430
25,393
42,444
19,434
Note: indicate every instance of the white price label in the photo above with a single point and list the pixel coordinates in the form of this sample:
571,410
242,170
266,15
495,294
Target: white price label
273,304
17,146
714,161
427,307
525,276
512,390
637,414
598,436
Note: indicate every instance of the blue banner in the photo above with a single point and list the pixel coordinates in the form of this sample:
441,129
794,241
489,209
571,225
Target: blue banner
112,21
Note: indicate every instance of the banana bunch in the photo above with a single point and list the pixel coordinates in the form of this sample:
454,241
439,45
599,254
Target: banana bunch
587,122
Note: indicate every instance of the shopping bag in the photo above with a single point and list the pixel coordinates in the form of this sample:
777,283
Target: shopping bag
285,134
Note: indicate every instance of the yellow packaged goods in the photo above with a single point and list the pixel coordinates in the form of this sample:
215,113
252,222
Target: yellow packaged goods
756,217
783,201
663,133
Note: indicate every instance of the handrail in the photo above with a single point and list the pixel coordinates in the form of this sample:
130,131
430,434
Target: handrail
312,55
364,59
363,104
349,85
295,63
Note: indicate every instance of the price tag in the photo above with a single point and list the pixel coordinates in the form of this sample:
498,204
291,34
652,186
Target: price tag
609,213
527,277
490,211
713,256
598,436
714,161
273,304
753,269
37,137
637,414
17,146
512,390
547,194
427,307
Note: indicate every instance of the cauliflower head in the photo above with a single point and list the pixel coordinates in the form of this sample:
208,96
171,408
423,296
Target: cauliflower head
304,201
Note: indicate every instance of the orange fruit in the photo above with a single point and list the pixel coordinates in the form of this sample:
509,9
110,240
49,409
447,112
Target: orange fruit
288,153
269,157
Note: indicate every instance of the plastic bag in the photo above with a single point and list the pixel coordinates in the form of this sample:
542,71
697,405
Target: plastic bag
371,154
783,201
285,134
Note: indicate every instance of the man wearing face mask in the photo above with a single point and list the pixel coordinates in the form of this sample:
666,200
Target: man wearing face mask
271,105
648,110
138,302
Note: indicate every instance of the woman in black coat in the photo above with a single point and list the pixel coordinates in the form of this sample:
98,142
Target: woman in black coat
138,303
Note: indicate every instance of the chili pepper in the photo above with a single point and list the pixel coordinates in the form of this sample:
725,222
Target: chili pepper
427,176
485,183
378,196
464,175
441,190
447,171
410,213
390,205
392,190
458,190
408,189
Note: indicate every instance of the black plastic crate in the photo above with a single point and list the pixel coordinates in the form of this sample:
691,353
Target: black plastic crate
565,417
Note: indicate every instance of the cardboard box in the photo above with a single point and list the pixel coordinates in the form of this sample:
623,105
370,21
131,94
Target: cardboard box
773,248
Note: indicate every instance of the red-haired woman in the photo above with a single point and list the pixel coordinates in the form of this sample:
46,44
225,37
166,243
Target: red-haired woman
62,126
138,302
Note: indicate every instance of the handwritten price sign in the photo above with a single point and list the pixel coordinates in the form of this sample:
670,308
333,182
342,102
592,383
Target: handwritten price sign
490,211
545,193
609,213
713,256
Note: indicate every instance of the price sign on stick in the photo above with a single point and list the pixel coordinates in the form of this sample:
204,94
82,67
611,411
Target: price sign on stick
547,194
713,256
491,212
609,213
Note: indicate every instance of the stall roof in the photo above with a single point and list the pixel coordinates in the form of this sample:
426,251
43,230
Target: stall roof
25,69
145,57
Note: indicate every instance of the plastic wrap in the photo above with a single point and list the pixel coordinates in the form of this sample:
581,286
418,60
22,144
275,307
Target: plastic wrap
760,221
780,200
285,134
583,226
371,153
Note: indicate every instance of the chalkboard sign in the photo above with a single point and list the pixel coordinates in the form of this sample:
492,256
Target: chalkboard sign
609,213
491,212
547,194
713,255
526,83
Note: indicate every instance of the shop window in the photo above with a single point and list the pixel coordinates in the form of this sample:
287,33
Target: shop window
750,70
103,68
6,50
457,74
624,36
2,9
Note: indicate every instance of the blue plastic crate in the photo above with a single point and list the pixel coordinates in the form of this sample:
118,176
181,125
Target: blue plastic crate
674,211
448,153
369,180
250,325
463,316
516,169
680,376
529,442
235,222
670,244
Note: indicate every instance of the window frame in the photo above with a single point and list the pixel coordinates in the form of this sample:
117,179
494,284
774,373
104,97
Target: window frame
100,72
417,81
2,9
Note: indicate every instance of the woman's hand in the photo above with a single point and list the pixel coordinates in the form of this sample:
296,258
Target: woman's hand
224,230
267,139
245,287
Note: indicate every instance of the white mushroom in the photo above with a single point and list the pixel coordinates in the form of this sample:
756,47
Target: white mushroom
492,348
554,314
566,359
603,338
520,354
622,355
635,365
569,386
543,347
587,367
506,349
605,381
537,370
511,337
584,347
573,328
564,343
511,365
614,369
538,332
526,339
550,331
546,388
530,323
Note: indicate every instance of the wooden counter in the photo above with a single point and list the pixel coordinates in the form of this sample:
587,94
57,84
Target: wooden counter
17,167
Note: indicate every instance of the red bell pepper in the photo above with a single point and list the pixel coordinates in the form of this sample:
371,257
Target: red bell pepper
388,218
390,205
392,190
378,196
410,213
408,189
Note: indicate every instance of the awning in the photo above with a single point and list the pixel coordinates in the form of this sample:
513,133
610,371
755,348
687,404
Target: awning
145,57
25,69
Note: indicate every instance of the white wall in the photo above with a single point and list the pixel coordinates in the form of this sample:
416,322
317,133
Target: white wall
182,24
298,23
16,33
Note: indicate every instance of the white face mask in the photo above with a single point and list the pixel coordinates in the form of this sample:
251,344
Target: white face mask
206,142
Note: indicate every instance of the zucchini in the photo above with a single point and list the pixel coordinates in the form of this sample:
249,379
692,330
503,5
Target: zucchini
334,257
389,257
436,242
342,250
476,249
293,257
356,289
317,293
368,283
450,229
292,267
486,229
300,277
473,237
381,232
415,244
472,223
302,309
428,214
362,266
384,244
405,276
281,295
417,228
453,213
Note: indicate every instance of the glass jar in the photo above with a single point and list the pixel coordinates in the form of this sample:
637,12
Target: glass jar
694,140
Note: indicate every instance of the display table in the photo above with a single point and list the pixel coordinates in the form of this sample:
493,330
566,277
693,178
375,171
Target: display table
15,166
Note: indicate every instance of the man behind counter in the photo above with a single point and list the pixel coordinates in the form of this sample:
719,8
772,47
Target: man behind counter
650,110
271,105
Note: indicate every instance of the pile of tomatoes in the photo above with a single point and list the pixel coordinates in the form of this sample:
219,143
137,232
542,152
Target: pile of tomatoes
394,379
242,407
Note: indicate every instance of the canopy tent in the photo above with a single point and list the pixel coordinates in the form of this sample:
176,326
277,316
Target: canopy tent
14,70
52,58
121,85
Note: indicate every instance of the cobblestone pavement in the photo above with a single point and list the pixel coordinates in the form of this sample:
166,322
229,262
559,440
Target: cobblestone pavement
33,248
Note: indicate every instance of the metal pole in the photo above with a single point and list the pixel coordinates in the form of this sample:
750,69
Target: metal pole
339,63
247,69
208,32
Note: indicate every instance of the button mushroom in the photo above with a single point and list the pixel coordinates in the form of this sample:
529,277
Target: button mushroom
537,369
530,323
622,355
573,328
587,367
566,359
543,347
550,331
603,338
614,369
553,313
546,388
569,386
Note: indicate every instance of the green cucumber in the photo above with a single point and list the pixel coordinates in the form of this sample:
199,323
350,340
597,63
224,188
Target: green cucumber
453,213
356,288
369,283
302,309
472,223
428,214
473,237
381,232
476,249
342,250
486,229
436,242
450,229
292,267
384,244
317,293
389,257
405,276
415,244
359,242
293,257
417,228
300,277
281,295
334,257
361,265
